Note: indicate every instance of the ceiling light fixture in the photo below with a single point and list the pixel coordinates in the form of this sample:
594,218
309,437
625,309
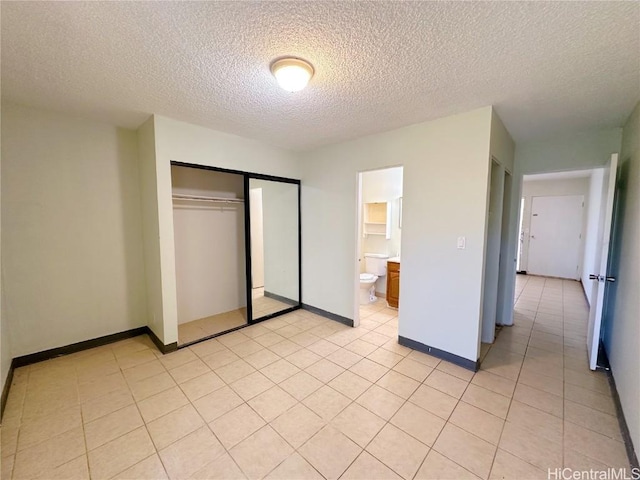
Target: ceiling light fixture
292,74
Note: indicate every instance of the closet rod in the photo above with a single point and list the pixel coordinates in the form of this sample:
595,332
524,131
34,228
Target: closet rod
201,198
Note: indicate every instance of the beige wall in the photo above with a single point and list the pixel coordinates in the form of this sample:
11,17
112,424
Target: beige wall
150,226
71,236
446,166
622,328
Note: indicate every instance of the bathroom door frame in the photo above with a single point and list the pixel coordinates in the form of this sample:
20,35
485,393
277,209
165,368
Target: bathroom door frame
359,236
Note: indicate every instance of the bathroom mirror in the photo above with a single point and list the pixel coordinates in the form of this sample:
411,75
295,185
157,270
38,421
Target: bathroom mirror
274,246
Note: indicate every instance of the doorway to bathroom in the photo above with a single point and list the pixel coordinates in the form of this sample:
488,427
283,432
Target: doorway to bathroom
379,227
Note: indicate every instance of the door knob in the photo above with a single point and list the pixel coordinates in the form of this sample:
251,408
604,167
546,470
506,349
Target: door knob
601,278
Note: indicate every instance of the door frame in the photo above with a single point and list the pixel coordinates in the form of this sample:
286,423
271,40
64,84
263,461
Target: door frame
358,232
514,225
598,311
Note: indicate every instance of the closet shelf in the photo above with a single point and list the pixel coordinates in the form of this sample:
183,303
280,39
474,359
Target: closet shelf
200,198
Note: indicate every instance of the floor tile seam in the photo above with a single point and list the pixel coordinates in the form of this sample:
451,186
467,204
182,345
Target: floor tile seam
466,431
509,406
204,425
65,463
592,390
541,410
620,441
144,378
22,401
388,422
84,439
20,427
13,464
297,450
309,461
447,421
175,384
144,424
604,462
106,415
590,406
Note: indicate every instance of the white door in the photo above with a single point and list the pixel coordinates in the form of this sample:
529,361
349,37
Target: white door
257,238
602,261
555,231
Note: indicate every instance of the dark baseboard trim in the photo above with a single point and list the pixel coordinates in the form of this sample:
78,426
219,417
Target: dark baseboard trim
6,387
449,357
172,347
32,358
603,364
331,316
282,299
77,347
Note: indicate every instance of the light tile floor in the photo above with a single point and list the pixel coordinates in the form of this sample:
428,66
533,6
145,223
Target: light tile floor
302,397
195,330
264,306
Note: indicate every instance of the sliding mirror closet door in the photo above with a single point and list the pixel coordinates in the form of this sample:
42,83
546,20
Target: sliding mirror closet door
209,234
275,248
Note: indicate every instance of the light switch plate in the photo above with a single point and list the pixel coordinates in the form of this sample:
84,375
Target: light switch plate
462,243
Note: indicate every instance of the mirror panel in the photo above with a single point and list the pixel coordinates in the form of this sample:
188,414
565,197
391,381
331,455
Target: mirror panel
275,258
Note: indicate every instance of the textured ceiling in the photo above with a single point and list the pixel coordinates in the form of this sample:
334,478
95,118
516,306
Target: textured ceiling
546,67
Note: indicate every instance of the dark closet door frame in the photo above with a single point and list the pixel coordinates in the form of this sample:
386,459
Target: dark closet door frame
247,242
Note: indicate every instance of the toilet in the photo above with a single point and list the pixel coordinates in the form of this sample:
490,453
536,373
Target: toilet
375,265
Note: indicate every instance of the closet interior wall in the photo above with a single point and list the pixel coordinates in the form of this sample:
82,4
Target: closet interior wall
209,247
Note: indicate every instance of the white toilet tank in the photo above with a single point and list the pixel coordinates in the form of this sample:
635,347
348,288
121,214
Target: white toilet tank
376,263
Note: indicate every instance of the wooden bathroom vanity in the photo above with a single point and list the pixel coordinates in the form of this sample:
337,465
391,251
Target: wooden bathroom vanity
393,282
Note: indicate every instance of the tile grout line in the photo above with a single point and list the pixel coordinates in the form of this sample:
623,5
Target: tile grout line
444,426
378,347
512,394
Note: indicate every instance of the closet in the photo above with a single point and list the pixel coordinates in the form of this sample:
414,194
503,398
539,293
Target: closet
237,249
209,235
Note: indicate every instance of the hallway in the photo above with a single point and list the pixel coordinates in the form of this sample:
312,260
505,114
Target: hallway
560,413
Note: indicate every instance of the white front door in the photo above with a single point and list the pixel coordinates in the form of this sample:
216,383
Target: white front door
602,261
555,236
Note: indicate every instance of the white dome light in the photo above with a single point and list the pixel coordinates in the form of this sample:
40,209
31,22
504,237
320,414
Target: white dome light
292,74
